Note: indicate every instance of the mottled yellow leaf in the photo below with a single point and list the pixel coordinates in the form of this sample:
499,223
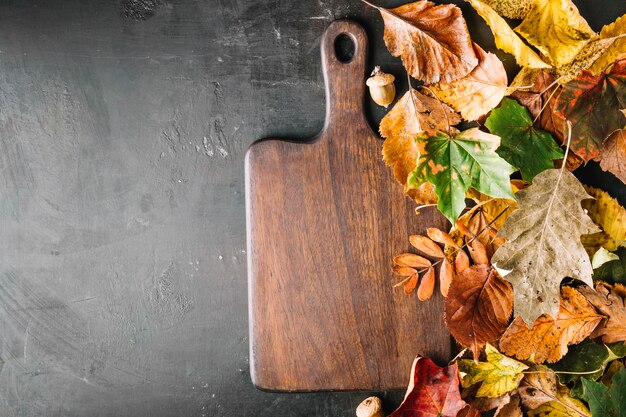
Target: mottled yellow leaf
606,212
617,48
513,9
557,29
506,39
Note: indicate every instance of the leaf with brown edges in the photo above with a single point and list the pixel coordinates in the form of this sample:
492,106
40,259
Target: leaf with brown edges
478,307
609,300
548,338
432,40
613,155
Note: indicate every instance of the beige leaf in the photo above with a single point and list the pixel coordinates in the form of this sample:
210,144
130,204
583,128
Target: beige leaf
506,39
432,40
544,244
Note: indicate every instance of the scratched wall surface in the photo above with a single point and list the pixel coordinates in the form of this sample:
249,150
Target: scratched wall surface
123,127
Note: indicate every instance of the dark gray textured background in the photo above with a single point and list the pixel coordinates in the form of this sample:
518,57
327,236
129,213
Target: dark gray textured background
123,127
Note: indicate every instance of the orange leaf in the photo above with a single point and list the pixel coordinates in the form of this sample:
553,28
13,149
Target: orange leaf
613,155
548,339
427,287
404,271
442,237
446,275
427,246
478,253
409,286
610,301
461,262
478,307
411,260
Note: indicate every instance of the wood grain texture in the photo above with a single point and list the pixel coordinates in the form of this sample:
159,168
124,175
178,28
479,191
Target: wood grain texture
324,221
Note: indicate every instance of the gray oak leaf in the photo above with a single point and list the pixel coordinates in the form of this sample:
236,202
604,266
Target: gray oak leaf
543,243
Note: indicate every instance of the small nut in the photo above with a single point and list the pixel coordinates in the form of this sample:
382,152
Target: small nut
370,407
381,86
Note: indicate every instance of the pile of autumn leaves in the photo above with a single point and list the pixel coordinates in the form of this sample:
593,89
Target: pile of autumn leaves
509,254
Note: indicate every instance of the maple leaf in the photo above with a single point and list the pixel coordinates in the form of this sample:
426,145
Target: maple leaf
525,147
557,29
605,401
610,301
498,376
432,40
543,245
432,391
478,307
543,396
412,115
506,39
548,338
592,104
618,47
606,212
478,92
453,164
613,155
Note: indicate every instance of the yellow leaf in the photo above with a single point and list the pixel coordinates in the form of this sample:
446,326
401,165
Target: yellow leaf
606,212
565,406
588,55
517,9
618,47
557,29
480,91
506,39
497,376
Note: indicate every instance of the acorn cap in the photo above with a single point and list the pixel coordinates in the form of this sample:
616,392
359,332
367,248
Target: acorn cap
379,78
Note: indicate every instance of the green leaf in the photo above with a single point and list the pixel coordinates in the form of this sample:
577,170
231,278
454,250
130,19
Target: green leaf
499,375
524,146
604,401
613,271
454,164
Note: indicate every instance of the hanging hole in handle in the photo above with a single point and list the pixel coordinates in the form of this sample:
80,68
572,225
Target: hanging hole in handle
345,47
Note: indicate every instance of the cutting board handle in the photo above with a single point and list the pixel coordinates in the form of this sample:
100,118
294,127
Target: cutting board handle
345,81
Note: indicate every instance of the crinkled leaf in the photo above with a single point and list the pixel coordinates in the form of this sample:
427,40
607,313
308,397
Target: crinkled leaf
432,391
592,104
618,47
498,376
548,338
604,401
543,245
613,271
478,92
454,164
557,29
606,212
506,39
525,147
432,40
478,307
613,155
611,302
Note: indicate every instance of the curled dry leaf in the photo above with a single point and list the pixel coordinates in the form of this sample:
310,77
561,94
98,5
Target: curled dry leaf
605,211
426,246
543,243
478,307
506,39
427,286
432,40
548,338
432,391
610,301
478,92
511,409
613,155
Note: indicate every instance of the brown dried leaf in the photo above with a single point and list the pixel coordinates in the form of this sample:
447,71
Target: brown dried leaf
548,339
440,236
427,287
427,246
510,409
478,253
461,262
410,284
478,92
446,275
412,260
433,41
610,301
613,155
478,307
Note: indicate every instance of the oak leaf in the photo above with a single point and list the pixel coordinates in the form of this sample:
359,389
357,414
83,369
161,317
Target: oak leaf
453,164
522,145
432,40
432,391
413,114
543,245
543,396
557,29
610,301
618,47
506,39
498,376
592,103
607,401
606,212
478,307
549,337
613,155
478,92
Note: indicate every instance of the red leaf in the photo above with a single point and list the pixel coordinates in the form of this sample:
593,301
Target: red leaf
432,391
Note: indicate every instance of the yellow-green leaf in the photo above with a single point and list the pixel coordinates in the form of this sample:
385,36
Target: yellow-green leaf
499,375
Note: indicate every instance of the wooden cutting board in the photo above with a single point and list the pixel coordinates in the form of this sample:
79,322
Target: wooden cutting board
325,219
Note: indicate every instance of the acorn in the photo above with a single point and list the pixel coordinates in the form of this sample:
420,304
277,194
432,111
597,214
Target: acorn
370,407
381,86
